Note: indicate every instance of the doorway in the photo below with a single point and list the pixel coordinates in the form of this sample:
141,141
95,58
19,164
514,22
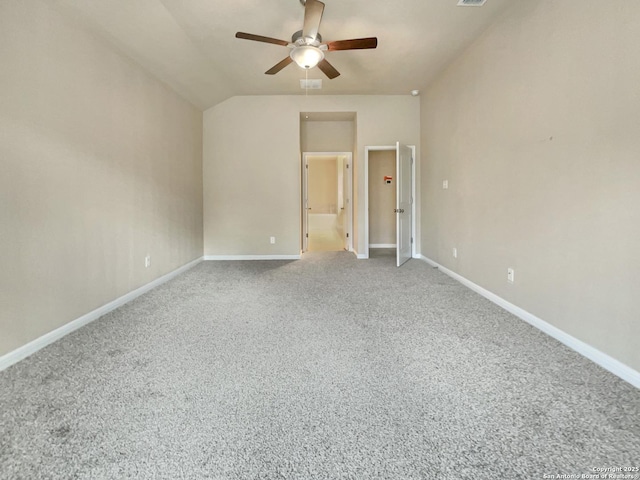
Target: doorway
382,200
389,174
327,204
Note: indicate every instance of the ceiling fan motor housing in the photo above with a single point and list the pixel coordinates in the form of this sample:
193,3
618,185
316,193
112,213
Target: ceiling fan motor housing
297,39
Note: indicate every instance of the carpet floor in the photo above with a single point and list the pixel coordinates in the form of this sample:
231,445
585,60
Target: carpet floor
322,368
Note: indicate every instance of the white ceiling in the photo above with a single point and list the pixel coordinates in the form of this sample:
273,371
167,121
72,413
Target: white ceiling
191,44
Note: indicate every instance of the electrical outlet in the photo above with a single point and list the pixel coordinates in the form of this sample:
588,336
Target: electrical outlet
510,275
455,252
147,261
445,184
272,240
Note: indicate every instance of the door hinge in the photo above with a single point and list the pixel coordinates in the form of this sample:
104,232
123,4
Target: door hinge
347,235
307,235
347,165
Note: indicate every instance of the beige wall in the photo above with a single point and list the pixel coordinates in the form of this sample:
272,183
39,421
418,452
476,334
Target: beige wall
382,197
536,128
100,164
327,136
252,165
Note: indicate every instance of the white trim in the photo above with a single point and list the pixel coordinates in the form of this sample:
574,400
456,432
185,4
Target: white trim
359,256
48,338
382,245
428,260
605,361
252,257
414,207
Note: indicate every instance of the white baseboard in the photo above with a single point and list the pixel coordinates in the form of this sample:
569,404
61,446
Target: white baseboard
32,347
252,257
428,260
382,245
605,361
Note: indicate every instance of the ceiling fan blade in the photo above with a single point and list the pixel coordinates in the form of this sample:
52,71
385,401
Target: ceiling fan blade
355,44
260,38
328,69
279,66
312,16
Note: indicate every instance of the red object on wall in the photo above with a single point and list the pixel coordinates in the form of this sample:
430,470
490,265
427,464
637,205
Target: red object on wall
387,179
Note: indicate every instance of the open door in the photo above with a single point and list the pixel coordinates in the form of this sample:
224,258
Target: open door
305,204
344,201
404,159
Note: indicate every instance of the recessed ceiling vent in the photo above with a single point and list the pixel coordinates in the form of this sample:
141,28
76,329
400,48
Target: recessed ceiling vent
311,83
471,3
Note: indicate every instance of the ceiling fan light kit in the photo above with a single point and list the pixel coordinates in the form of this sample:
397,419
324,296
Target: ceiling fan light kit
307,56
307,49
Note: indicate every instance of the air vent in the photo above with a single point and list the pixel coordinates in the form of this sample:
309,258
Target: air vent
471,3
311,84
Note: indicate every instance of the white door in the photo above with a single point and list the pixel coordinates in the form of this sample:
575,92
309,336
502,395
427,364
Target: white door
305,204
345,205
403,203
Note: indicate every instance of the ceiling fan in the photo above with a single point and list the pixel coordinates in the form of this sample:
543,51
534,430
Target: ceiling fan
307,49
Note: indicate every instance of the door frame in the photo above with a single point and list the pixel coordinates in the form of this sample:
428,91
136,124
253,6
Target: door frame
393,148
349,200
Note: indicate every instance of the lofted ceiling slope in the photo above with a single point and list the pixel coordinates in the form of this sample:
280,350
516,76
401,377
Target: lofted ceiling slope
191,46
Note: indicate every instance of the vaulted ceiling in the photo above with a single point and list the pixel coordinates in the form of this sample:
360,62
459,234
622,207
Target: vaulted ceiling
191,46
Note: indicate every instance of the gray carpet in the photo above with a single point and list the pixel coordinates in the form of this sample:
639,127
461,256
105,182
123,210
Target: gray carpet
324,368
